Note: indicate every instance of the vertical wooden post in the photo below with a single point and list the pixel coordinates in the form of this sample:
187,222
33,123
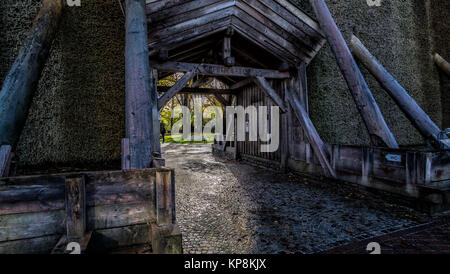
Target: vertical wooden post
20,83
155,113
75,208
5,160
228,60
284,130
138,86
379,132
165,198
126,154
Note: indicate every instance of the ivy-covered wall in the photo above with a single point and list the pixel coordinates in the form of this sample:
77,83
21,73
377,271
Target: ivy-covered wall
77,115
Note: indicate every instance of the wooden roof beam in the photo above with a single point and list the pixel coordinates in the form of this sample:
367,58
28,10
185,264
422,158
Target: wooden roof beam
219,70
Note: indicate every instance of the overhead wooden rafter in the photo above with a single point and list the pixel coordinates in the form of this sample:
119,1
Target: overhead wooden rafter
180,84
274,25
219,70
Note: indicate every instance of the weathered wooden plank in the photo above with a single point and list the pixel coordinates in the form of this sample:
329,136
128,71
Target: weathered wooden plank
31,225
219,70
39,224
242,83
165,198
202,91
20,82
125,158
407,104
442,63
228,60
379,132
32,194
41,245
138,86
190,21
156,115
191,35
312,135
5,160
75,208
268,18
180,84
271,93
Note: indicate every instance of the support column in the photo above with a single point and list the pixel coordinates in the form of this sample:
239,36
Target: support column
138,86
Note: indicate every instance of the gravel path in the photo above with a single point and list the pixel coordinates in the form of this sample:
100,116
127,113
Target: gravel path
231,207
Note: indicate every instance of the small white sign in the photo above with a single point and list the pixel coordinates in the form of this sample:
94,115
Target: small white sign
394,158
372,3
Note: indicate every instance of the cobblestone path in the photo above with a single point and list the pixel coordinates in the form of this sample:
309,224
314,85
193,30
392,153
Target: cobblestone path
230,207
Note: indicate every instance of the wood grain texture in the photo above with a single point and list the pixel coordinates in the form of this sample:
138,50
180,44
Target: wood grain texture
5,160
75,191
219,70
138,86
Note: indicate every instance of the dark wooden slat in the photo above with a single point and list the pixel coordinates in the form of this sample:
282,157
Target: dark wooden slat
312,134
379,132
187,11
165,198
138,86
190,90
75,208
271,93
180,84
5,160
222,100
191,35
407,104
126,154
242,83
218,70
278,24
20,82
195,20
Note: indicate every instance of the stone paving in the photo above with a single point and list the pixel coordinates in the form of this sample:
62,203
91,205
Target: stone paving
231,207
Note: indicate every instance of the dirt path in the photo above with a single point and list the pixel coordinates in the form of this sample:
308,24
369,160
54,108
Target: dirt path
230,207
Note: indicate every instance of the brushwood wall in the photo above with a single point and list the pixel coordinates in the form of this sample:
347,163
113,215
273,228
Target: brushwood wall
403,35
77,115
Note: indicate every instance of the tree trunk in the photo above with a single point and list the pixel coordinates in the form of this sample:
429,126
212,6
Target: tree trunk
139,88
20,83
373,118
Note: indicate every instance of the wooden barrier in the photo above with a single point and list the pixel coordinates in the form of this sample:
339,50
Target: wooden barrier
120,208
